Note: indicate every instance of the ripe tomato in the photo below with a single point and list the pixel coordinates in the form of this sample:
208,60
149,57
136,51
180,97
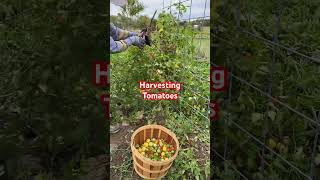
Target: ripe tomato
145,144
156,149
164,148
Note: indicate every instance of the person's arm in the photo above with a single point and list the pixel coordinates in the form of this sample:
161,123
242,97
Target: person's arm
122,45
117,46
120,34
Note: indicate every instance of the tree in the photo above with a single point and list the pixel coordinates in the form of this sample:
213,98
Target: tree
143,21
133,8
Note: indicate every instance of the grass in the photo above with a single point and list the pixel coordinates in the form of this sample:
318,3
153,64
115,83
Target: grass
202,48
202,43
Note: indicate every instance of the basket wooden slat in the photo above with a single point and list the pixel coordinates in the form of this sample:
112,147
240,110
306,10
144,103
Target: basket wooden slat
154,171
145,167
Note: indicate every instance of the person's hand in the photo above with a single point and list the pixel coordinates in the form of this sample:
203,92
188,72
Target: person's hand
136,41
147,32
139,41
141,34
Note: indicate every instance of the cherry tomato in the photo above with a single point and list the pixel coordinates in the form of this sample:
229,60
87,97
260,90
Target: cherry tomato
156,149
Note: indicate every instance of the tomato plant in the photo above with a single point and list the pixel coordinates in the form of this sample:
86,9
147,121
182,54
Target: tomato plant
50,117
292,79
170,58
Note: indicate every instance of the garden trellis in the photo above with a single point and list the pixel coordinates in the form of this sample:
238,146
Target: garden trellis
198,76
310,119
200,55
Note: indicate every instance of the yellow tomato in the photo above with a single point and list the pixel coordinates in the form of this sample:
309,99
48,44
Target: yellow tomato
140,150
272,143
148,140
150,144
164,148
146,144
143,149
162,154
142,153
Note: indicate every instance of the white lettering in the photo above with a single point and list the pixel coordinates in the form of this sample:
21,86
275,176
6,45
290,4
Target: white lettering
218,79
142,85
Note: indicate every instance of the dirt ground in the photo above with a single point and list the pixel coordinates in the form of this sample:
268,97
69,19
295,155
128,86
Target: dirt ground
121,161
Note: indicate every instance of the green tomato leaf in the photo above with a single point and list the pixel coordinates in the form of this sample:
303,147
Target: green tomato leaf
256,117
272,115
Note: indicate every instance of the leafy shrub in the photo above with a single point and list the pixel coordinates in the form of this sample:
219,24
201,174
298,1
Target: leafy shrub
292,79
49,108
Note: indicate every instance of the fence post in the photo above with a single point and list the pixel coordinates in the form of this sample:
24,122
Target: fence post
190,11
170,5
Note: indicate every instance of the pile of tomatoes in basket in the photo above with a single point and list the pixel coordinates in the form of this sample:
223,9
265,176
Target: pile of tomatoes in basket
156,149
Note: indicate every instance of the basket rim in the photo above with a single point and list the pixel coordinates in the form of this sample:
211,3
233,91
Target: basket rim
159,163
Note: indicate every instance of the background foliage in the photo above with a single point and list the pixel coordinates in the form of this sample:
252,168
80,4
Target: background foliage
50,115
293,80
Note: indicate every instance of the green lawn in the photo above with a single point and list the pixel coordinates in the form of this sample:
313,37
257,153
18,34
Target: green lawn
202,47
202,43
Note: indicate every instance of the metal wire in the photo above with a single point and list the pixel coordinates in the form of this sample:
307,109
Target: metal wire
274,99
274,45
207,99
207,79
195,125
229,164
200,17
196,110
244,31
268,148
204,17
194,92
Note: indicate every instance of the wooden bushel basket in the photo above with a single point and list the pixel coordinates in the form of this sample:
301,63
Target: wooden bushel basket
145,167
